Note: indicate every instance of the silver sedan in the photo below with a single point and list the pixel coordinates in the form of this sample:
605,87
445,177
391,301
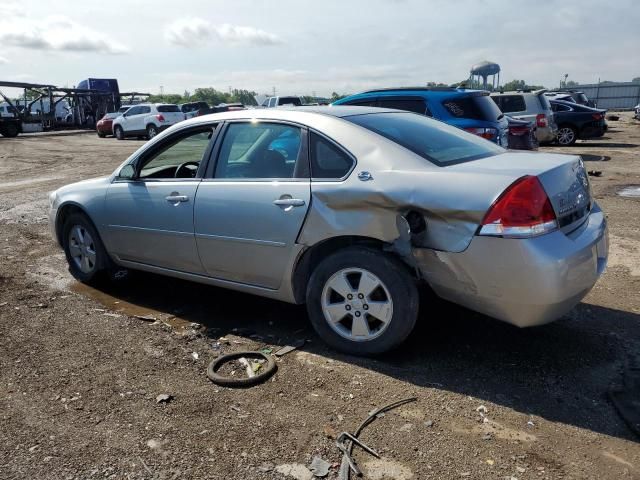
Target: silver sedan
350,210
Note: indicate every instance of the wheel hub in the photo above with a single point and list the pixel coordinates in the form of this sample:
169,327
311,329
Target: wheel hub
357,304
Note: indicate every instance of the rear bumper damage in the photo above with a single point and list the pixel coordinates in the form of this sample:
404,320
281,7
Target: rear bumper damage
525,282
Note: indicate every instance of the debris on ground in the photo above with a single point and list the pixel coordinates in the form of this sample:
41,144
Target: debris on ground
428,423
594,173
290,348
319,467
613,118
146,318
295,470
222,370
195,355
164,398
348,463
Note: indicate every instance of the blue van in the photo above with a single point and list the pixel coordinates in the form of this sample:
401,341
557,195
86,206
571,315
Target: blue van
470,110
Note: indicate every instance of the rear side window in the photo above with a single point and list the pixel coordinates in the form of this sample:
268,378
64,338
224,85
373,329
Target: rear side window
168,108
476,108
272,102
435,141
327,160
512,103
362,103
289,101
416,105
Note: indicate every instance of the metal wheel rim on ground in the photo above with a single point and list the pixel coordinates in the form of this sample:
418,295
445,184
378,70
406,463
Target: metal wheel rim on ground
359,310
82,249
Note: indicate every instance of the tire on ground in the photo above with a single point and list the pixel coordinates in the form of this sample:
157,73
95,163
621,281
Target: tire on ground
400,284
102,262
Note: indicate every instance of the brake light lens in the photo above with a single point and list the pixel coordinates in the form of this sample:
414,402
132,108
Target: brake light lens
597,116
488,133
523,210
541,120
160,117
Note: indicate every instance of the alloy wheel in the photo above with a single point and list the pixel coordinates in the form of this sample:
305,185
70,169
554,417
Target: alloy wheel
566,136
82,249
357,304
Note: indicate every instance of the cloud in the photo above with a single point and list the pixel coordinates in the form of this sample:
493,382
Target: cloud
3,61
56,33
190,32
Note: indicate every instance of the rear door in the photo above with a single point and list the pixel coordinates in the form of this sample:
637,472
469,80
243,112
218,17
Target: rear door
250,208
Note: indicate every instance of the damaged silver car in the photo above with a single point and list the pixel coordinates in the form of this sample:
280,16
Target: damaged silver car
350,210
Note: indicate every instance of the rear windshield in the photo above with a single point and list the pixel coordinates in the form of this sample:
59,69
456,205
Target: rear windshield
289,101
476,108
438,142
544,102
168,108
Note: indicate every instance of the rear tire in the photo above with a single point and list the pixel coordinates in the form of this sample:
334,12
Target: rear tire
118,132
152,131
567,135
86,255
383,307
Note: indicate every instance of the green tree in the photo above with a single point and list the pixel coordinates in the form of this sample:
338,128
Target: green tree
336,96
519,85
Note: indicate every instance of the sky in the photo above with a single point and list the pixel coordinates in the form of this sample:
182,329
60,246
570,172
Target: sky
305,47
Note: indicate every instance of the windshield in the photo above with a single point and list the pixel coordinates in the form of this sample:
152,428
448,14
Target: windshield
438,142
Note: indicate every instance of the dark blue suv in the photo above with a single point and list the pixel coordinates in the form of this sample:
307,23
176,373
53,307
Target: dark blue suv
470,110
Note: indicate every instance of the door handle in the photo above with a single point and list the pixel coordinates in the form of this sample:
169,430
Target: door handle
289,202
175,198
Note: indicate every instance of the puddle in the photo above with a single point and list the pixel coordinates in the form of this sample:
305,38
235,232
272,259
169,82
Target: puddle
119,305
632,191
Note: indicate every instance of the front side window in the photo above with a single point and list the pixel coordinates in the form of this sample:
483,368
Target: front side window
327,160
133,111
362,103
435,141
177,157
253,150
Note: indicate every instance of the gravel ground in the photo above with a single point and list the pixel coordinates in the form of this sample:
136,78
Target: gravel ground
80,372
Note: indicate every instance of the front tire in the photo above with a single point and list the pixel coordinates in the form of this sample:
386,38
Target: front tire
86,256
118,132
10,130
567,135
362,301
101,135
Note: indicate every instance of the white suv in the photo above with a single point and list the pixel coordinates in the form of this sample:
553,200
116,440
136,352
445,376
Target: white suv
531,106
146,120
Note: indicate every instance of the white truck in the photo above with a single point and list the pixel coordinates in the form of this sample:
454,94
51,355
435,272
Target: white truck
289,100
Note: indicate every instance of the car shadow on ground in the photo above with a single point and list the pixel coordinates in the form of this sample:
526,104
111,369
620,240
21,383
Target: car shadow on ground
561,372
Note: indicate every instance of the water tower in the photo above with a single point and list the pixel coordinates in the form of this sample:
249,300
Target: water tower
480,73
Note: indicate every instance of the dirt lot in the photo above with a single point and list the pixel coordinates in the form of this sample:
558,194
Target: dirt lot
79,373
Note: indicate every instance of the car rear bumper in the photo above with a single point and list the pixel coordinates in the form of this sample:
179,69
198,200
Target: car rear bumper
525,282
546,134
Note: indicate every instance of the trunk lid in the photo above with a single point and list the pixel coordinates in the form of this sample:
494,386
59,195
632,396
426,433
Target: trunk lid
563,178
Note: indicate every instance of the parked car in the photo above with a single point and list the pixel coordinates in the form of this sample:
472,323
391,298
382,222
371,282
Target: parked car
578,97
577,122
10,127
146,120
7,110
470,110
193,109
222,107
522,134
104,126
376,205
637,112
290,100
530,106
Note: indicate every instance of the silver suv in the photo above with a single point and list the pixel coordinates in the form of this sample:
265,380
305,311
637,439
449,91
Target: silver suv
532,106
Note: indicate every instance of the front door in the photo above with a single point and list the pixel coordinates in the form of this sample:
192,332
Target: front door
249,212
149,218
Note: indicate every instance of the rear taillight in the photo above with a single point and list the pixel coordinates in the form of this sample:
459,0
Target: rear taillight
160,117
541,120
597,116
488,133
518,130
523,210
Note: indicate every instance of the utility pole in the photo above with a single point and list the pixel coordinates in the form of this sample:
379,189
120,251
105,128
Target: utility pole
161,92
274,91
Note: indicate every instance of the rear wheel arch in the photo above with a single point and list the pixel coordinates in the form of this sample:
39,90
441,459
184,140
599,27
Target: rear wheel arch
310,258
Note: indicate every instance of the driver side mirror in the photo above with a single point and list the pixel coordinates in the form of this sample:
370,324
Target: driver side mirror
127,172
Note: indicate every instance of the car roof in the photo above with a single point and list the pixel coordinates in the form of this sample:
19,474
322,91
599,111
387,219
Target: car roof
439,91
292,113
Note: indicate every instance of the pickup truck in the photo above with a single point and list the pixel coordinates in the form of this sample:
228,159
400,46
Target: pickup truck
272,102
